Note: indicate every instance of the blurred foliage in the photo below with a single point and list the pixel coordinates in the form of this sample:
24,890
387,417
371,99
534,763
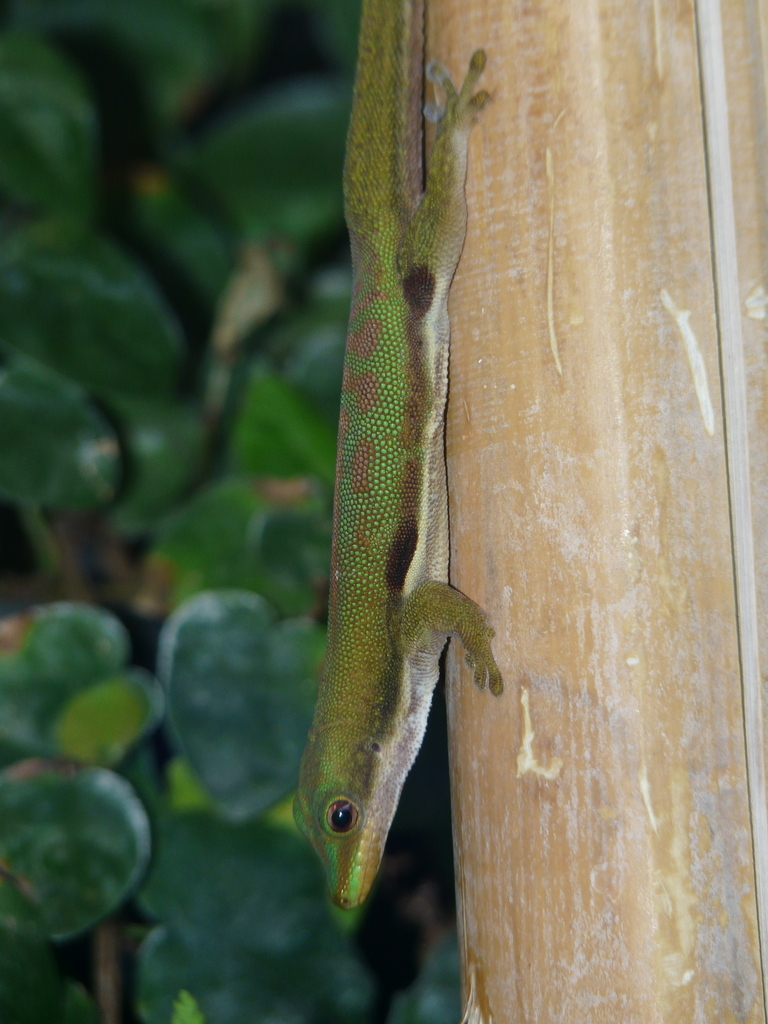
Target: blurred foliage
186,1010
77,838
293,965
65,690
174,291
434,998
231,670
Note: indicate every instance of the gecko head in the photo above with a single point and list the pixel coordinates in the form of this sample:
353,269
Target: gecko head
344,810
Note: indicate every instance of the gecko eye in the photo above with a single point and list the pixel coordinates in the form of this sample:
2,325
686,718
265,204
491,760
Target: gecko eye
342,816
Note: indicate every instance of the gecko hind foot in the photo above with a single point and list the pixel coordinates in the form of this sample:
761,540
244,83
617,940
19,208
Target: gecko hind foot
460,107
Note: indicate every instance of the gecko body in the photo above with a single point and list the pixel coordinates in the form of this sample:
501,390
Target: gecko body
390,606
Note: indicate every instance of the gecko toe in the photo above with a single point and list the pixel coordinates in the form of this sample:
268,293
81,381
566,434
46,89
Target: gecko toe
495,682
478,102
476,68
437,72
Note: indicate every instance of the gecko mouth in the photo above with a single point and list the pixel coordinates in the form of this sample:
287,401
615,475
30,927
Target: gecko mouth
357,881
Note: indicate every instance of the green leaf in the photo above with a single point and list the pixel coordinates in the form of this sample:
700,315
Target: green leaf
241,690
228,537
204,545
47,128
165,443
180,233
246,928
80,842
186,1010
99,724
54,665
278,433
30,986
56,449
185,792
275,166
339,25
310,349
79,1008
435,996
237,28
165,41
293,551
63,641
77,303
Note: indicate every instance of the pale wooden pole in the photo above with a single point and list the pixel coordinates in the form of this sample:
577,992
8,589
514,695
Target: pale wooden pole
741,104
608,477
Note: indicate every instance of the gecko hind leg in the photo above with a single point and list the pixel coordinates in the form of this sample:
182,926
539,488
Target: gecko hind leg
435,235
460,107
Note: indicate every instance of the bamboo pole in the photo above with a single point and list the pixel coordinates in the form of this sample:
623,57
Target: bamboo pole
744,30
608,484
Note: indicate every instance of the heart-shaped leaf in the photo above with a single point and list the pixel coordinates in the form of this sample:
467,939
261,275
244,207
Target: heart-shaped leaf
78,840
56,448
228,536
47,127
164,442
241,689
75,302
254,164
163,42
246,928
64,688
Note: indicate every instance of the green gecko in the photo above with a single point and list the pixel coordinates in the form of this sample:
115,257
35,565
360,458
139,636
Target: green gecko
391,607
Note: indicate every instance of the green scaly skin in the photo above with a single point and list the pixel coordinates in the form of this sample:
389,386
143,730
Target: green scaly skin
391,607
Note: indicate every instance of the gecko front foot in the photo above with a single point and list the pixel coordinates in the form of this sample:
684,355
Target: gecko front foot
436,606
480,659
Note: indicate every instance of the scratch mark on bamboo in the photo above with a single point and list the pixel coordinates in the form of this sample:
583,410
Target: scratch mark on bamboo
526,762
645,789
559,117
695,360
665,900
551,262
657,39
756,302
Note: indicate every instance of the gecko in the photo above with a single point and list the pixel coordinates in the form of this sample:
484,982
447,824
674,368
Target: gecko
391,608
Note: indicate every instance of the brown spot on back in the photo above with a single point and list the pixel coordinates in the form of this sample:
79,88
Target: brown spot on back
411,483
366,280
419,288
401,553
363,340
361,460
362,534
366,389
417,398
409,433
366,291
343,425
